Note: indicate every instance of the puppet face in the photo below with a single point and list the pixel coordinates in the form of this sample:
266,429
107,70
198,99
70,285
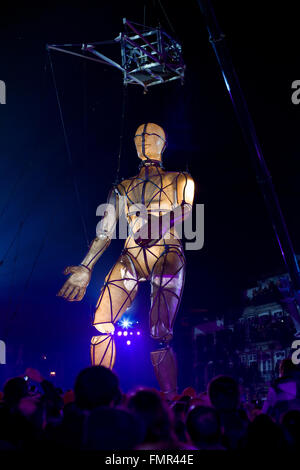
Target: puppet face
150,141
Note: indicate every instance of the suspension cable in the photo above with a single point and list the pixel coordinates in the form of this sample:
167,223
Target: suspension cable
69,154
124,101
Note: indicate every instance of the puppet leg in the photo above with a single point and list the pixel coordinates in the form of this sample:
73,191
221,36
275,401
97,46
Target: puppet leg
167,282
117,294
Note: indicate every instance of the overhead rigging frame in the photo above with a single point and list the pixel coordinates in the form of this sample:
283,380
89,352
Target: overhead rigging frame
149,57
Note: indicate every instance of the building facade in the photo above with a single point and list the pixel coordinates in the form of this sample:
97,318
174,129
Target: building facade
251,348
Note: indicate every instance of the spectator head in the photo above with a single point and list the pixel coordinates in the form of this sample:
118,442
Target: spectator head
287,368
203,426
263,434
189,392
96,386
112,429
68,397
223,392
181,406
290,423
202,400
154,413
14,390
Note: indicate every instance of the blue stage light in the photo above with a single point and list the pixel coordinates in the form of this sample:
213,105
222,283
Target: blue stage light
125,323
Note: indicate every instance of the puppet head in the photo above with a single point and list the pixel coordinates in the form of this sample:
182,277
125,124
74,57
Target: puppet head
150,141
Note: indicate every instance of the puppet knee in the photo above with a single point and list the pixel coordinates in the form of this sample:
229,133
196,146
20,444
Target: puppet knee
161,341
103,351
105,327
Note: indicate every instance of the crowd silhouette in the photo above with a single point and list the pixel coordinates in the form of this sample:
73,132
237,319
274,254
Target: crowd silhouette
96,415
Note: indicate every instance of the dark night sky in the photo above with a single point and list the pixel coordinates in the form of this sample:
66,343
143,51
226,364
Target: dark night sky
41,230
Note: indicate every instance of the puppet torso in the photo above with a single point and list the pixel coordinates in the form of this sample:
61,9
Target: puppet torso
153,191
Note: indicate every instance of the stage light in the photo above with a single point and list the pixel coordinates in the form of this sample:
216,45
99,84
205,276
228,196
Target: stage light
119,333
128,342
125,333
125,323
138,333
131,333
53,373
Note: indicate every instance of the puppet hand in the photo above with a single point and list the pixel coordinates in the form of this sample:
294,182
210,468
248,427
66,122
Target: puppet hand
74,288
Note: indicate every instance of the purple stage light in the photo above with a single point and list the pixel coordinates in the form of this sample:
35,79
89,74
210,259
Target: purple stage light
128,343
131,333
138,333
119,333
125,333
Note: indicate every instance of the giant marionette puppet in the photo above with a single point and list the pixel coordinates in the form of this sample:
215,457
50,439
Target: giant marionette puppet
154,201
